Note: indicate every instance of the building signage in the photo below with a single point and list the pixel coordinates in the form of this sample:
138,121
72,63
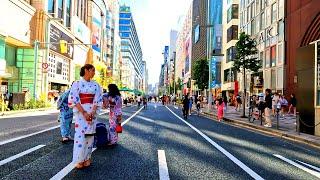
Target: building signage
56,37
96,28
80,30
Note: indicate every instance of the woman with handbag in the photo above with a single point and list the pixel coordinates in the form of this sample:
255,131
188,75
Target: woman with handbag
114,102
85,99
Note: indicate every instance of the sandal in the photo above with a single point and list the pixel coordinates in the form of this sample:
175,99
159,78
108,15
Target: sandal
64,140
87,163
79,166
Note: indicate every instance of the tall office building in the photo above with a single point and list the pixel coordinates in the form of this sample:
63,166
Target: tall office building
130,49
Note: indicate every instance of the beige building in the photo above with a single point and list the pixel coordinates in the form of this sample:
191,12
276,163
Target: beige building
230,21
264,21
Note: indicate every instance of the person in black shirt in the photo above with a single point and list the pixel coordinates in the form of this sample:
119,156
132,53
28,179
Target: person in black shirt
268,108
293,105
185,106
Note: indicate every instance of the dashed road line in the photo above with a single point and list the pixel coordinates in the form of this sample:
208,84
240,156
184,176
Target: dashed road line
163,168
5,161
221,149
309,165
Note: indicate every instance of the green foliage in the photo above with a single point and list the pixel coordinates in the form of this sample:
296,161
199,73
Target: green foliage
246,57
200,72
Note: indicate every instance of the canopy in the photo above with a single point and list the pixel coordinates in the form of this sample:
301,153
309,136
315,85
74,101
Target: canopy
126,89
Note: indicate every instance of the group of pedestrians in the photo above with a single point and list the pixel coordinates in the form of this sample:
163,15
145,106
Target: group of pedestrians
82,102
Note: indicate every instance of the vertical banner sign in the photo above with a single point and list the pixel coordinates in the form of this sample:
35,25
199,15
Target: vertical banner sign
213,72
318,73
96,28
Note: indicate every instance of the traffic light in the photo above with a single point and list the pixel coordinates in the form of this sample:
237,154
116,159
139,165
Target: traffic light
63,46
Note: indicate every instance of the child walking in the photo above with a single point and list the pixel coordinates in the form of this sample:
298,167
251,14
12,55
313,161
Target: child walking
220,109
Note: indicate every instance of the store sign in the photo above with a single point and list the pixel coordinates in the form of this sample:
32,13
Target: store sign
56,37
80,30
96,28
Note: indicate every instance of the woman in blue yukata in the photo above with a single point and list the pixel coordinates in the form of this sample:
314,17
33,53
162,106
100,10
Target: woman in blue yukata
85,99
114,102
65,116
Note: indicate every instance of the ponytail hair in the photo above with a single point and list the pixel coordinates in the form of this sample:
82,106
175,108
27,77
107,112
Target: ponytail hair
85,67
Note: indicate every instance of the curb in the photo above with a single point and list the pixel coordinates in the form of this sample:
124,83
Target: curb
24,111
264,130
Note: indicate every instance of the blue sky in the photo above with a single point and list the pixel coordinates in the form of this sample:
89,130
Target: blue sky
154,19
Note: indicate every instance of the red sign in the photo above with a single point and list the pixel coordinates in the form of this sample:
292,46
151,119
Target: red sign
236,88
45,65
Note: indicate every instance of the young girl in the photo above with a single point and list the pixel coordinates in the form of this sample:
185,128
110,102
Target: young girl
220,106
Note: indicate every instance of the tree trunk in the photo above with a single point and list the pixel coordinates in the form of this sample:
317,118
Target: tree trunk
244,94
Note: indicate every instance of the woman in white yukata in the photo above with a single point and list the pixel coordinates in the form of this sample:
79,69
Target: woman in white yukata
85,99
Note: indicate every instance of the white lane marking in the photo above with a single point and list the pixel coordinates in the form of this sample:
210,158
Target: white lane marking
145,118
309,165
5,161
66,170
163,168
315,173
125,122
28,135
104,112
221,149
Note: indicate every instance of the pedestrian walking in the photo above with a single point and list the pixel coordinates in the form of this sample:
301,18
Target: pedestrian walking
220,108
139,100
190,105
114,103
85,99
293,104
275,100
284,105
65,117
238,102
185,107
198,105
268,108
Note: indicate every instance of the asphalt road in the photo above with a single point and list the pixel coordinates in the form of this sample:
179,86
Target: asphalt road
197,148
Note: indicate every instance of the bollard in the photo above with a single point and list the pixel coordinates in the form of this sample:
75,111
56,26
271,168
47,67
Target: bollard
278,111
298,122
260,116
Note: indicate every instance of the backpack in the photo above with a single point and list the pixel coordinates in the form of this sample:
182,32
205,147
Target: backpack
101,137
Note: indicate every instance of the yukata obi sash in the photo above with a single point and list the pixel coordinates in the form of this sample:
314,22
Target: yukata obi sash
86,98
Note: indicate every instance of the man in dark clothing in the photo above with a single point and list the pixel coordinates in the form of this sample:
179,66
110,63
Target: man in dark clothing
185,107
268,108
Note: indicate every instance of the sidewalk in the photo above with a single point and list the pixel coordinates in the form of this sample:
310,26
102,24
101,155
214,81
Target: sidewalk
6,113
287,125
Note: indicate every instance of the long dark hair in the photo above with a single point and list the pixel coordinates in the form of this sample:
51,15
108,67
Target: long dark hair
113,90
85,67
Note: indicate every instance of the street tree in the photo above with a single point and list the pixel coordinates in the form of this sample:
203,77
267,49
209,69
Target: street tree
200,73
246,60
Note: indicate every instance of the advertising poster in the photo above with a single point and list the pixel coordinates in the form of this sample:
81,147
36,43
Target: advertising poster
96,28
187,54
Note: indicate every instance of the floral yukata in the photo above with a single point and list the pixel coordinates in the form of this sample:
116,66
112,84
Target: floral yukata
88,94
115,105
66,114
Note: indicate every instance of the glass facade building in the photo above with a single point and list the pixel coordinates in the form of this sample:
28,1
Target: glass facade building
130,47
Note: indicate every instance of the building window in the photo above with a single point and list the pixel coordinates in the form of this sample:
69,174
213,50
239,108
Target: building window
273,79
231,54
232,33
248,14
281,8
267,58
261,58
257,25
51,7
280,54
257,6
263,3
232,12
273,55
274,12
68,13
253,27
124,21
262,21
60,9
268,16
252,13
